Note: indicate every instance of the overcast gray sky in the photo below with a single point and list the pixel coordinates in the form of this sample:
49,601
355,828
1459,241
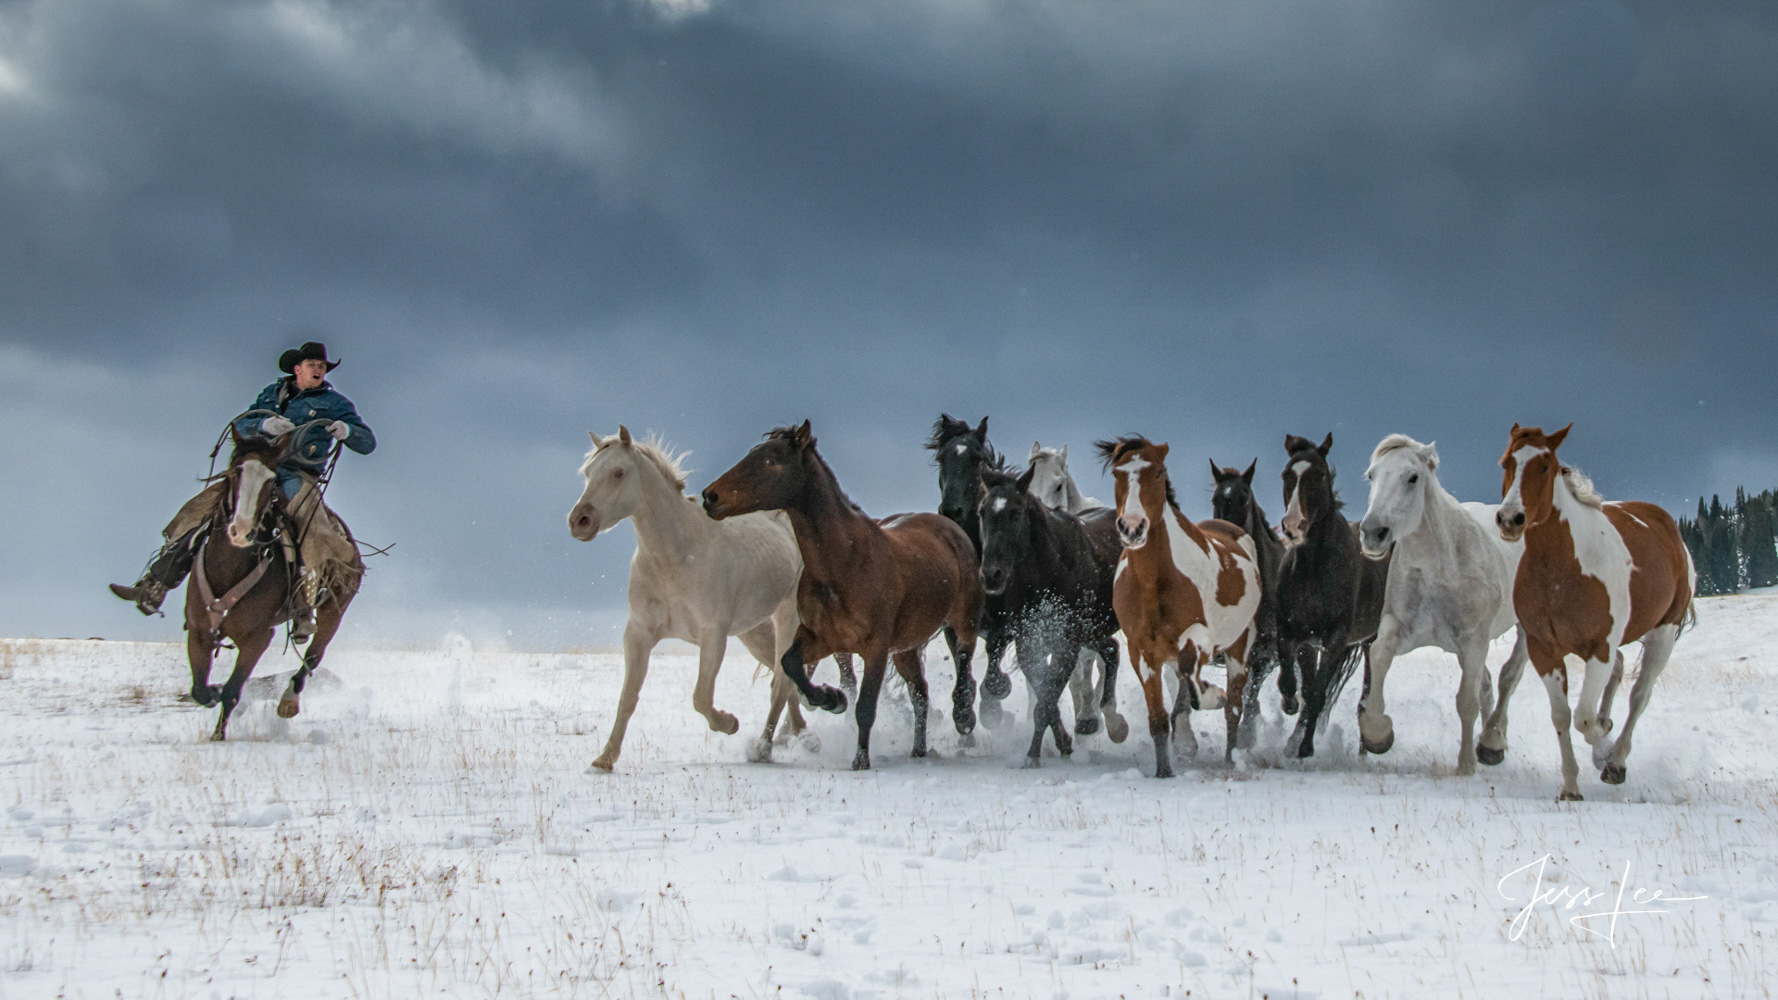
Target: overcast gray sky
1211,223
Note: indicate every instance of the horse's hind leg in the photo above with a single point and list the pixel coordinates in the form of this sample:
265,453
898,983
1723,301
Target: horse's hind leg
963,691
327,625
908,665
876,662
1085,694
1610,695
848,678
1235,702
248,650
1657,646
1491,747
1116,726
1473,659
703,693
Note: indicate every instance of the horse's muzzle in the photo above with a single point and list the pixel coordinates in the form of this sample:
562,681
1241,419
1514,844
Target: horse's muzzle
714,506
583,522
1512,526
994,581
1375,543
1133,535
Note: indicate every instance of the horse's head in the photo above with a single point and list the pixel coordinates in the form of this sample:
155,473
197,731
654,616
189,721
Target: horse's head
963,454
252,483
1051,479
1308,486
1144,493
1008,509
1528,483
1401,472
1233,500
771,476
611,490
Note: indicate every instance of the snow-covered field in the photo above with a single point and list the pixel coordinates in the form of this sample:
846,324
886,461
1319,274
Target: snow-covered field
427,827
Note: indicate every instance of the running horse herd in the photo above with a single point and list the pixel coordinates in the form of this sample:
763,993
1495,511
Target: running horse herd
775,553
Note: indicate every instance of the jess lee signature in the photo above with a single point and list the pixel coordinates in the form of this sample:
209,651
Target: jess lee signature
1570,897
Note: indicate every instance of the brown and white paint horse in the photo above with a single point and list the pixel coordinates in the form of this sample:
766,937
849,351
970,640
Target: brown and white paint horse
1594,576
1183,593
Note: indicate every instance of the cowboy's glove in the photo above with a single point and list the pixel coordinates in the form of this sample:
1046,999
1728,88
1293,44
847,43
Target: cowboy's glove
339,429
276,427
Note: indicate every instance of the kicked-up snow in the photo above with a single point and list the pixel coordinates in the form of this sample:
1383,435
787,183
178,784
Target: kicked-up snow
428,827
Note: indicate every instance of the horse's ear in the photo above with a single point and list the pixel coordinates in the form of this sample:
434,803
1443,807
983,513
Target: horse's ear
1215,471
1163,450
597,443
1429,454
1515,429
623,435
1064,454
981,429
1247,477
1294,444
1326,445
1036,450
1024,483
803,436
1556,438
235,433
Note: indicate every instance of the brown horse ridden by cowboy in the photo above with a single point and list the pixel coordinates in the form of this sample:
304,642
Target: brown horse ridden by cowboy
304,406
1594,576
880,589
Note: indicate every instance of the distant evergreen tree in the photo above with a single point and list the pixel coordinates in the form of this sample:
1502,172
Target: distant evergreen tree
1759,549
1723,548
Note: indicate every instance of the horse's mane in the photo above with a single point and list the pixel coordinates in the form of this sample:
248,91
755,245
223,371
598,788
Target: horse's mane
1393,442
1111,451
1582,488
656,450
788,434
997,477
942,436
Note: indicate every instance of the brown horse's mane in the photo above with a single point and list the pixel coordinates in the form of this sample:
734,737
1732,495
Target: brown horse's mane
832,481
1111,451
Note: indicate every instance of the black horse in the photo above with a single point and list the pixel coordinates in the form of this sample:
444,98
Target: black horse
1330,597
964,455
1235,503
1052,574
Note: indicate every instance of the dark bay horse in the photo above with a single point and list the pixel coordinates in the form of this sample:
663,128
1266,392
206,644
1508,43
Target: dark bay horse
1330,597
1235,503
964,457
1052,572
878,589
241,584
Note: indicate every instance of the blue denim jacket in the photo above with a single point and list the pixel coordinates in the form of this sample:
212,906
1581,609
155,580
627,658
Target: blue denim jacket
309,453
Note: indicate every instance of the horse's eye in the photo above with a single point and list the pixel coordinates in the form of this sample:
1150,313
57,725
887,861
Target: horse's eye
1413,479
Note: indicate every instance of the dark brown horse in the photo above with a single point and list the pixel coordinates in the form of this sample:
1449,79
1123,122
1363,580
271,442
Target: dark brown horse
878,589
241,585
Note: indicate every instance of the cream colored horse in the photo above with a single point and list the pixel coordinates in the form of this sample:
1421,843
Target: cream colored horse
692,579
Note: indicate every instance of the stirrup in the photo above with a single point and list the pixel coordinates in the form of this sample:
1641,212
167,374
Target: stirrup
146,596
302,627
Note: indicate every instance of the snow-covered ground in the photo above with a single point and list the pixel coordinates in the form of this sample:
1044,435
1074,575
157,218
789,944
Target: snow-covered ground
427,827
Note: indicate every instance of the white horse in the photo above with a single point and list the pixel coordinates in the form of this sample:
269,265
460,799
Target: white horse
1051,483
1450,585
692,579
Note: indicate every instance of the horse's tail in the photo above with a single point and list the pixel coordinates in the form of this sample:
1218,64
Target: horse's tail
1343,672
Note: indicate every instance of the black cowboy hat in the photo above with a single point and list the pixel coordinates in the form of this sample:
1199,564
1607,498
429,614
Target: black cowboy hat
312,350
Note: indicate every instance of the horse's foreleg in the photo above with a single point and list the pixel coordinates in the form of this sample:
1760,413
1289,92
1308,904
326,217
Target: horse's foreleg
1290,675
200,650
1587,719
1085,693
848,676
638,644
792,663
327,625
996,685
1617,677
703,693
248,650
1473,660
1234,702
1553,669
876,662
1160,721
1309,673
913,672
1376,730
1491,747
963,691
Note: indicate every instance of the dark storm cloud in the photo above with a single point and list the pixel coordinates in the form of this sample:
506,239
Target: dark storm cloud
1211,223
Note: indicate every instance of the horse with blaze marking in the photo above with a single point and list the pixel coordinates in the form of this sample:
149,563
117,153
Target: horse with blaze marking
1594,576
880,589
1183,593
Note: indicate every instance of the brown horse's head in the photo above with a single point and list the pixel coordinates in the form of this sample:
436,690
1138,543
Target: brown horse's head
1528,482
1144,493
771,477
252,483
1308,486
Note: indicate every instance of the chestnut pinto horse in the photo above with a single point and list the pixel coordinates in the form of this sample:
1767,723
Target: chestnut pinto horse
878,589
1594,576
1182,594
240,584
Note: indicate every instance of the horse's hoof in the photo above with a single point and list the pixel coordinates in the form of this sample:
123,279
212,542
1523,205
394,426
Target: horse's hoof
964,721
287,708
917,752
1086,727
1031,764
1377,746
809,741
996,685
1304,750
1488,755
835,701
993,716
1117,728
1165,771
604,765
1211,699
1613,774
759,750
1292,705
725,724
218,737
1570,797
207,696
966,740
861,762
